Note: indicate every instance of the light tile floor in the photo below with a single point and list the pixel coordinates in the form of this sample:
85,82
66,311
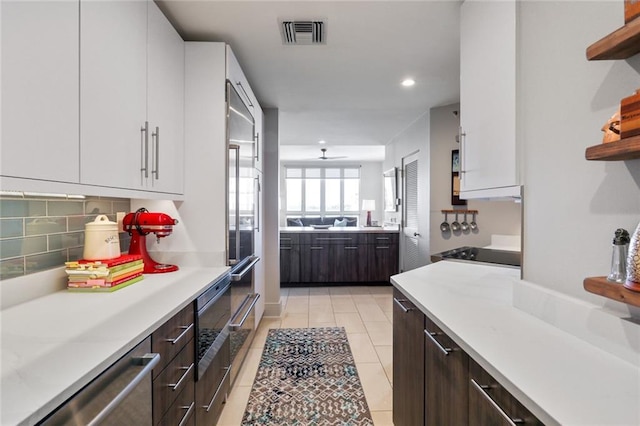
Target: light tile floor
366,315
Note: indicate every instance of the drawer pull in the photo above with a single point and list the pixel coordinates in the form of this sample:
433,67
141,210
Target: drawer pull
483,391
316,248
431,335
382,238
285,248
333,239
187,414
175,386
382,247
351,248
399,303
185,329
208,407
282,239
238,325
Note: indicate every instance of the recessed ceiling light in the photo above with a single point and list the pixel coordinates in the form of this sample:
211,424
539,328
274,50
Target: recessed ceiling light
322,142
408,82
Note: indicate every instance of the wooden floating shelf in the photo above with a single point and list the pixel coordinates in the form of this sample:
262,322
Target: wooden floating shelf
459,211
624,149
611,290
623,43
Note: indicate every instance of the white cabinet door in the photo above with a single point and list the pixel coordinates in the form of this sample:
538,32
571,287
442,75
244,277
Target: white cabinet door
165,104
113,93
488,98
40,75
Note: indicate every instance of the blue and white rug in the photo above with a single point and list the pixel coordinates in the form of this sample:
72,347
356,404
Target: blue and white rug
307,376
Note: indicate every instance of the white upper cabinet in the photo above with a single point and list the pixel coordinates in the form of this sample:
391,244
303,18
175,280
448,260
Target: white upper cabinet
131,97
165,111
489,154
40,75
113,93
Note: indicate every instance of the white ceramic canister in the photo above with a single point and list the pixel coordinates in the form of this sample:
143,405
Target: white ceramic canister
101,241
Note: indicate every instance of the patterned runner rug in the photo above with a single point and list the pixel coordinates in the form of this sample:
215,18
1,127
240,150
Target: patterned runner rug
307,376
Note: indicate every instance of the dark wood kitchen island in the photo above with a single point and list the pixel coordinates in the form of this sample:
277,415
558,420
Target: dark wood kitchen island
338,255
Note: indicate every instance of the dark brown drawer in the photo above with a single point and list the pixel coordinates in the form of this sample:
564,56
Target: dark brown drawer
332,238
287,239
382,239
172,336
176,377
183,410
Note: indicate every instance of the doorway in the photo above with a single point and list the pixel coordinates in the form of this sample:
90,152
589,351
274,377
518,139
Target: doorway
410,237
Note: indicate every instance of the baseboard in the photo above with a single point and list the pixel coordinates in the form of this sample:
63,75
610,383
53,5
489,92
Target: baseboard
273,310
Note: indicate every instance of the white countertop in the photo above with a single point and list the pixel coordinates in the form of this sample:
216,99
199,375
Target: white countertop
54,345
557,376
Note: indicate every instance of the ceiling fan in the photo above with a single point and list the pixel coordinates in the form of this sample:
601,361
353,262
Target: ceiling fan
324,155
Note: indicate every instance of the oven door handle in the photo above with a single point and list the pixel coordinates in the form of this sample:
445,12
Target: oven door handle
241,274
238,325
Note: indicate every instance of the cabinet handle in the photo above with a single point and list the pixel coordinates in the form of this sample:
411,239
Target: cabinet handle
156,136
333,239
238,325
382,238
208,407
189,409
431,335
245,93
258,190
485,394
144,149
288,239
257,157
175,386
185,329
351,248
316,248
399,303
382,247
285,248
462,138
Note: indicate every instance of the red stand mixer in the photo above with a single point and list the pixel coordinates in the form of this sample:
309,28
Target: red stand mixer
141,223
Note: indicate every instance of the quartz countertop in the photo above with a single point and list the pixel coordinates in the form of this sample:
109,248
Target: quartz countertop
54,345
366,229
560,378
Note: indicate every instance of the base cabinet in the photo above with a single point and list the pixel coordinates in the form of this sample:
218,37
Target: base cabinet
446,369
174,378
337,257
408,374
435,382
491,404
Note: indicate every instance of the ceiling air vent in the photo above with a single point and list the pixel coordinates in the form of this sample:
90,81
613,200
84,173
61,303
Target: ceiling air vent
303,32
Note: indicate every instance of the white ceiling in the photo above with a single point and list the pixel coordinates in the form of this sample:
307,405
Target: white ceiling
348,91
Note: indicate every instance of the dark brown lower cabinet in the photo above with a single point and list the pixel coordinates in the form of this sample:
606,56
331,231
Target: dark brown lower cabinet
338,257
491,404
446,371
408,365
437,383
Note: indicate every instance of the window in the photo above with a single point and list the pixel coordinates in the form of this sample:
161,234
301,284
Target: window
316,191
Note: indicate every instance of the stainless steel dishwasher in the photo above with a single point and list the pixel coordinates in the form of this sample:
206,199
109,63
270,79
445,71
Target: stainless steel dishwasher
121,395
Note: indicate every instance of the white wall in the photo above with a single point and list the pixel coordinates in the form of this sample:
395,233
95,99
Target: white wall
572,206
371,187
414,138
270,211
494,217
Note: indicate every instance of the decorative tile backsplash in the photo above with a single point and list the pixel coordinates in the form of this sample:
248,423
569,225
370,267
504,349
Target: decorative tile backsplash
39,233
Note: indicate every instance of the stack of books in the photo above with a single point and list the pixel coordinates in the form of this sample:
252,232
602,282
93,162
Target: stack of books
104,275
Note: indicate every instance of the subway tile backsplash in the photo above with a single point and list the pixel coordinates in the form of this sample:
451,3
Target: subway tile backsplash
39,233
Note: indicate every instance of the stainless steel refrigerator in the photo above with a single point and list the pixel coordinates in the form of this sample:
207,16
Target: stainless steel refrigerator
241,222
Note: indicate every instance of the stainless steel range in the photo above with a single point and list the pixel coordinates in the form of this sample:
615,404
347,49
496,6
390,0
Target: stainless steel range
481,255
